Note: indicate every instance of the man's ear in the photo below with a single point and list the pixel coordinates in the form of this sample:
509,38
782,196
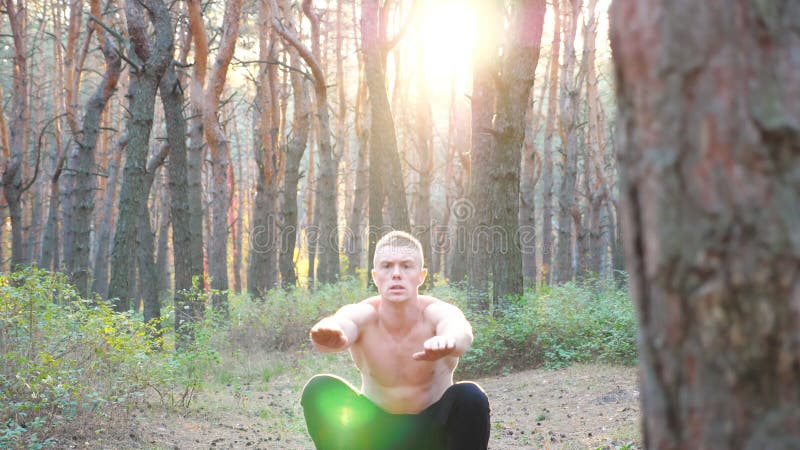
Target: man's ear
373,277
422,275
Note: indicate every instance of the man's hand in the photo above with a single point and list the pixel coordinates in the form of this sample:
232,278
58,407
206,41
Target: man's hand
435,348
329,334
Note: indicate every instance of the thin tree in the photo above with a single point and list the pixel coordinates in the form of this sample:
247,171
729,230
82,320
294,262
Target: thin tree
15,144
570,89
325,206
708,137
82,160
295,149
547,147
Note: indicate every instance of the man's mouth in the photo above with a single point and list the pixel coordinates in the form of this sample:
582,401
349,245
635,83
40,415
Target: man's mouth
396,287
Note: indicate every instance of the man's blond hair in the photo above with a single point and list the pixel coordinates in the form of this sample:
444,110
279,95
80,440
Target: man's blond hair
399,239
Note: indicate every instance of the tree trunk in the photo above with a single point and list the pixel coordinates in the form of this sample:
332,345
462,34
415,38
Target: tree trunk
145,248
220,158
82,162
570,93
262,269
478,209
187,251
385,173
12,180
547,149
354,234
295,148
103,235
521,57
423,144
152,60
709,183
325,204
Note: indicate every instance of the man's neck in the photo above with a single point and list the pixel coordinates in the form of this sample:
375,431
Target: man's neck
397,317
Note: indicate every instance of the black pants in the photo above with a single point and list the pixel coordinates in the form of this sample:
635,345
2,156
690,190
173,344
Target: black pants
339,418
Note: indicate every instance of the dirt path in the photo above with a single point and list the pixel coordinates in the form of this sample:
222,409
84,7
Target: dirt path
580,407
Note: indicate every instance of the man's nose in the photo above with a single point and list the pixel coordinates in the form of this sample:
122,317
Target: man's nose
396,272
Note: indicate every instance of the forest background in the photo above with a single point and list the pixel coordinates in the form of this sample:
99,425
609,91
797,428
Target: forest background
182,181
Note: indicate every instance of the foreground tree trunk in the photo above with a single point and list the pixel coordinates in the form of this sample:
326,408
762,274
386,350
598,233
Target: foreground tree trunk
710,183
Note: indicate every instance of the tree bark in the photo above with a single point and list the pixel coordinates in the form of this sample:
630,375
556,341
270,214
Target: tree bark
295,148
151,60
101,257
12,180
385,173
570,94
547,149
521,57
263,267
325,205
82,161
710,183
485,68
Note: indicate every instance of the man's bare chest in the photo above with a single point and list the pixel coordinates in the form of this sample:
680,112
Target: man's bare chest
387,358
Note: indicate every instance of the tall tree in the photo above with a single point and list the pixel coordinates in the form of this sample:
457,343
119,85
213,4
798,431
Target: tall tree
710,183
148,60
385,174
218,147
295,148
15,145
82,159
262,268
547,147
325,205
521,55
485,69
569,122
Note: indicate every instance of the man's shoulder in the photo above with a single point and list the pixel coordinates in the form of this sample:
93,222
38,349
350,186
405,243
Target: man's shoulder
433,305
360,312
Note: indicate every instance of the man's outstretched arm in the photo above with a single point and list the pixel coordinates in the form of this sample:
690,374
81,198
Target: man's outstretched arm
339,331
453,333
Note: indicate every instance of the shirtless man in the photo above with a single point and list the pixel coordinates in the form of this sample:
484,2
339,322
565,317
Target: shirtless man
406,347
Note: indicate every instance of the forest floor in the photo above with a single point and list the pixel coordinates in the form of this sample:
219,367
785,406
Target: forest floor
578,407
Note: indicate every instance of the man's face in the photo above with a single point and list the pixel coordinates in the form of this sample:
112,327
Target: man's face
398,272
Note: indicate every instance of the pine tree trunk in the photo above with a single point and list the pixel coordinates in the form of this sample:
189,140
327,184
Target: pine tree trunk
570,93
547,149
354,234
295,148
82,162
521,57
141,94
709,183
482,153
12,180
385,173
100,283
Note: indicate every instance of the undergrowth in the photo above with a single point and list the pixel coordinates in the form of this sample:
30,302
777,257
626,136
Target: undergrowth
64,359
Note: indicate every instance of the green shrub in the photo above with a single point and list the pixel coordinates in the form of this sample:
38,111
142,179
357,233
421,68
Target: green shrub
281,319
63,358
587,321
